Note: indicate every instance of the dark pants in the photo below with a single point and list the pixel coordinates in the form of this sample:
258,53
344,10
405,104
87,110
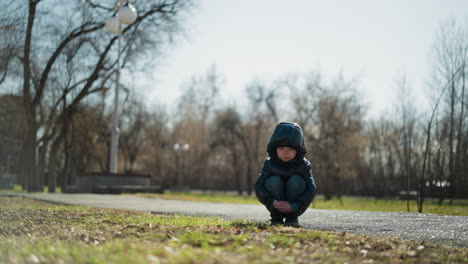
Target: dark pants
285,191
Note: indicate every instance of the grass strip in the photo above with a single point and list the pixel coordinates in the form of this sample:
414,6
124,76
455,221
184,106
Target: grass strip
458,207
38,232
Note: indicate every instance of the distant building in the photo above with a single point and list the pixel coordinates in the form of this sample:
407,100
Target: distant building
13,131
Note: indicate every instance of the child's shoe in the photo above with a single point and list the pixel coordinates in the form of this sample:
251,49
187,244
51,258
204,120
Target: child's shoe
292,221
276,221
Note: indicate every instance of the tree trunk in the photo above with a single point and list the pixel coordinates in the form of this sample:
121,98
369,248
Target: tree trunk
41,171
249,178
52,176
451,176
248,153
235,171
458,150
28,169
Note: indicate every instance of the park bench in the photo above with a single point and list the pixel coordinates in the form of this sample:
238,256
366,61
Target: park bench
6,181
116,189
113,183
411,195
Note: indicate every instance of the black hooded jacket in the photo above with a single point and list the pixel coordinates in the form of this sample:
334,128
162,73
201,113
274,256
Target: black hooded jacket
287,134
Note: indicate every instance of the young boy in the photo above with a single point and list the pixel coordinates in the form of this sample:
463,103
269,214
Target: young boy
286,185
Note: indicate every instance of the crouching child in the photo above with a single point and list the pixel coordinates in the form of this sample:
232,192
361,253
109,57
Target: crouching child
286,185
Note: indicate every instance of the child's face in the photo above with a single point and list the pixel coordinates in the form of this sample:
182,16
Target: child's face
286,153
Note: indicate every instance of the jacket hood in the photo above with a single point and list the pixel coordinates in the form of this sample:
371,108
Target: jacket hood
287,134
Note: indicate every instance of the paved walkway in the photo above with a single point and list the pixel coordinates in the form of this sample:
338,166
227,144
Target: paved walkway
452,230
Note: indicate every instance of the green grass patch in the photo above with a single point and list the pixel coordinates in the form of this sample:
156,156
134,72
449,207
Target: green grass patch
16,189
459,207
38,232
200,197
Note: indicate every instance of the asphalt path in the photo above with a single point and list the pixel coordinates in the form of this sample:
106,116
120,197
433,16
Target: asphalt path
442,229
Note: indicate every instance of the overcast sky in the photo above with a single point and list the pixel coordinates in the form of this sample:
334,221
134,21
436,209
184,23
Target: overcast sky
373,40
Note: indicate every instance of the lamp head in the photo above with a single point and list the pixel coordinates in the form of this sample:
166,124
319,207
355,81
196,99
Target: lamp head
127,14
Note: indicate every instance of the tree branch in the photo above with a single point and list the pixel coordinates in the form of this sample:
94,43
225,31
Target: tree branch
82,30
92,4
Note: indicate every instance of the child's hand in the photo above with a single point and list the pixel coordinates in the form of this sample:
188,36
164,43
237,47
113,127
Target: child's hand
282,206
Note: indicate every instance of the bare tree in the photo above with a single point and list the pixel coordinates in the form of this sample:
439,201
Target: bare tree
133,137
80,33
263,115
407,122
194,113
156,157
10,45
427,149
223,137
200,95
304,98
381,145
448,81
230,126
335,132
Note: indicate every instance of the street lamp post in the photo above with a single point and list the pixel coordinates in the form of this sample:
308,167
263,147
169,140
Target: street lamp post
179,147
125,14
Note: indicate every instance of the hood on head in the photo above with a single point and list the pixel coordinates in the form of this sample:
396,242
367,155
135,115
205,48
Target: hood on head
287,134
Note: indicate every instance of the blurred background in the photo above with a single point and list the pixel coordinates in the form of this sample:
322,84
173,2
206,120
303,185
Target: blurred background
378,88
